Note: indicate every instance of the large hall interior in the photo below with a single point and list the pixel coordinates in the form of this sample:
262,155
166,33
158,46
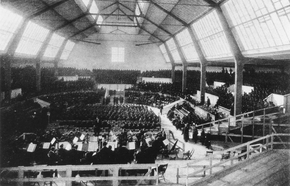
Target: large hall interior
144,92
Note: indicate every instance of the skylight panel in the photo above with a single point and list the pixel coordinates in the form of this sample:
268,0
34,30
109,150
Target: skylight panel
212,37
8,25
53,46
67,50
94,9
186,45
32,39
266,30
164,53
100,20
171,45
86,2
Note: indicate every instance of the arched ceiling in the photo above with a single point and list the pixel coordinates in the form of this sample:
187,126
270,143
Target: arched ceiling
154,21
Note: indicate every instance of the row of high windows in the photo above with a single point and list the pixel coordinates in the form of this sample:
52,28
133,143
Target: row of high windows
259,27
32,38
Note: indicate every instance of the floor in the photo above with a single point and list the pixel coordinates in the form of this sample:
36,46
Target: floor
174,165
269,168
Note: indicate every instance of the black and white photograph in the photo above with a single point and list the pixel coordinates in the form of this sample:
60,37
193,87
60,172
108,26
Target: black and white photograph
144,92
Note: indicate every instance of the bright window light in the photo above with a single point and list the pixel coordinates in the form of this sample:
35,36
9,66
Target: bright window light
86,2
32,39
118,54
67,50
173,50
212,37
176,56
187,46
8,25
94,9
100,20
144,7
164,53
260,26
53,46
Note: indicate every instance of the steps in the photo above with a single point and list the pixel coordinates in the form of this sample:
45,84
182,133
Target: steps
270,168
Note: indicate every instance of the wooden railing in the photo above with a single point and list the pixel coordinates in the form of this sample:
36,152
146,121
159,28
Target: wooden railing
65,174
244,119
172,140
231,156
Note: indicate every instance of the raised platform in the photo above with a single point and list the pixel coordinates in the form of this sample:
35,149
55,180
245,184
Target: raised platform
270,168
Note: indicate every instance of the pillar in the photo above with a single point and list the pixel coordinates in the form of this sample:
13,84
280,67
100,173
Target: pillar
57,57
184,77
38,60
171,61
8,57
203,63
173,73
238,87
202,81
6,62
184,64
238,58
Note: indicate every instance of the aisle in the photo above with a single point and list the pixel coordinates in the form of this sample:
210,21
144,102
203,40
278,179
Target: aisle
199,153
200,150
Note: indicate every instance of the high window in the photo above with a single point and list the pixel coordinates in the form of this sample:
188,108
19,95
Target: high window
212,37
164,53
8,25
173,50
187,46
118,54
260,26
67,50
32,39
53,46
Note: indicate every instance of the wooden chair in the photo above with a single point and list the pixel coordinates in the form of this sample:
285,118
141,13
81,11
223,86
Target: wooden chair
161,171
226,156
172,153
187,155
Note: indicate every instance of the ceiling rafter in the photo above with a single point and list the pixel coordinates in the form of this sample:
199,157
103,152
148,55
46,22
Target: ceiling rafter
151,34
48,7
58,13
211,3
80,31
143,16
108,6
108,15
68,22
169,13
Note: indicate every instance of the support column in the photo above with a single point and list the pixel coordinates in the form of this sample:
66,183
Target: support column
202,81
38,60
239,60
203,63
173,73
238,87
8,57
184,64
57,57
184,77
6,61
171,61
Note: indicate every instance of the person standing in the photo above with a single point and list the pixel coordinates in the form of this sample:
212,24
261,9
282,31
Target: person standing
208,102
195,134
186,133
202,137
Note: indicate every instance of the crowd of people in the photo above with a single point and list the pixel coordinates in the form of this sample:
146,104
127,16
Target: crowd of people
59,147
106,76
149,98
83,109
184,118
